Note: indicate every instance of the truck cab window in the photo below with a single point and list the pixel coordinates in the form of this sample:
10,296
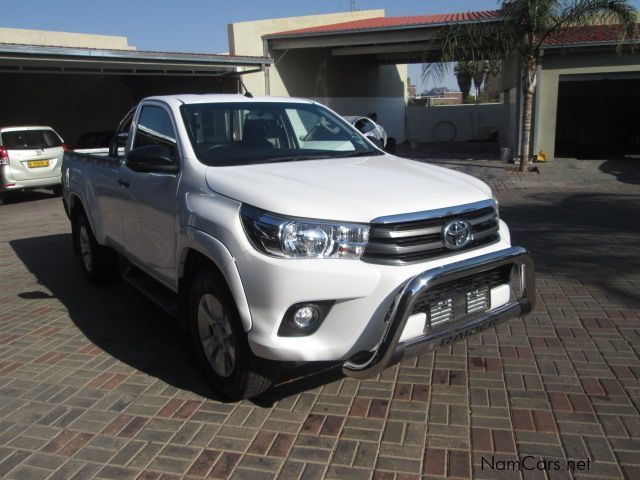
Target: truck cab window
155,128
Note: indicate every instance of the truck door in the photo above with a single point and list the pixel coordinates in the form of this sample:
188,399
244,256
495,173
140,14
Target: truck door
149,198
108,198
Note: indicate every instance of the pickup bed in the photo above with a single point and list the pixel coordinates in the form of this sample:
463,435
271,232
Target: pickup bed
278,234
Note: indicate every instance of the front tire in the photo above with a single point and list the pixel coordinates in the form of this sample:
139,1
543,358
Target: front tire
97,262
220,342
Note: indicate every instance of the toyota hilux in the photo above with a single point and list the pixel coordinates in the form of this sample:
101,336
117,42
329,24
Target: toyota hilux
279,234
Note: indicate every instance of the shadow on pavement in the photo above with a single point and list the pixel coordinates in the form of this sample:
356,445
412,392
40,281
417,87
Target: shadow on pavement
124,324
625,170
25,196
593,237
114,317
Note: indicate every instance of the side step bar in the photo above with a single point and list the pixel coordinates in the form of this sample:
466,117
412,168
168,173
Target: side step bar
164,298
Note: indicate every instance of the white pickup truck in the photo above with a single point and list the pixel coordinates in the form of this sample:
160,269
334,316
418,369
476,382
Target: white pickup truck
278,233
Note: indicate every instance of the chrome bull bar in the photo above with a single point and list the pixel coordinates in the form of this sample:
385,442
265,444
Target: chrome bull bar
390,350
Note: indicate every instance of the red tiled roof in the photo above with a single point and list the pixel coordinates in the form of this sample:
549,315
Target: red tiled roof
390,22
589,34
569,36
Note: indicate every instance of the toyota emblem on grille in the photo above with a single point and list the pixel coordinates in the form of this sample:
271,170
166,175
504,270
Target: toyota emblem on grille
456,234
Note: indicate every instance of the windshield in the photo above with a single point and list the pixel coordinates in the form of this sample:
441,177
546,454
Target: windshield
243,133
30,139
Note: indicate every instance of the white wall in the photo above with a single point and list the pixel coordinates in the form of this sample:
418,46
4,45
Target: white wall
349,85
455,123
63,39
245,38
390,111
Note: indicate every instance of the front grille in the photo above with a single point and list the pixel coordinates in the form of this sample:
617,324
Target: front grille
398,241
460,298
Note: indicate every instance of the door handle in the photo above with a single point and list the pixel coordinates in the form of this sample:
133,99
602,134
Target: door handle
124,183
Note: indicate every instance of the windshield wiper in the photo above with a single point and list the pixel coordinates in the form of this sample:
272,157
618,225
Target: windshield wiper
358,154
294,158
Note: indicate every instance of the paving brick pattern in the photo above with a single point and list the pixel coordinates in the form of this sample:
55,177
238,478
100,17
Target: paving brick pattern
95,383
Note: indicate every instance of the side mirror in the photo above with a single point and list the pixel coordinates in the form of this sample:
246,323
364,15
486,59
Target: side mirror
117,141
151,158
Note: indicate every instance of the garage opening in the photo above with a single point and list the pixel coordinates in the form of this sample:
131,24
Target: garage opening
598,116
76,105
86,90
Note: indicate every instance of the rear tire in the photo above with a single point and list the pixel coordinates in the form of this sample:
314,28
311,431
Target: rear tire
98,263
219,340
57,190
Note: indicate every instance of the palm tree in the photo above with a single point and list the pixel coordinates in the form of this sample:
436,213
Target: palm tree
521,31
470,71
479,69
492,80
463,76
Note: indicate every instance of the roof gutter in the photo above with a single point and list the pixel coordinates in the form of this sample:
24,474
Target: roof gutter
605,43
132,55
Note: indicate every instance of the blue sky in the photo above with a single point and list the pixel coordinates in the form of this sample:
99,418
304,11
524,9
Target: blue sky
198,25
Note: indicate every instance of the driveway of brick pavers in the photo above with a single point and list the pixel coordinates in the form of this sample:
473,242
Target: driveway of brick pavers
94,382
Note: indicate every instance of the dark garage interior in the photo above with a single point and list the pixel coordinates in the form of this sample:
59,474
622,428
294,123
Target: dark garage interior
76,104
86,90
598,117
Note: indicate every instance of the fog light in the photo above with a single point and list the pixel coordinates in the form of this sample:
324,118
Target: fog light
306,316
303,319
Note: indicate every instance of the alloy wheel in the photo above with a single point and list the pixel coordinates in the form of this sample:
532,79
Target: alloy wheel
216,335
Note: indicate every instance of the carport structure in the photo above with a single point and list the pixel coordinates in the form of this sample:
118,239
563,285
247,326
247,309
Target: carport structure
80,90
586,102
358,66
390,40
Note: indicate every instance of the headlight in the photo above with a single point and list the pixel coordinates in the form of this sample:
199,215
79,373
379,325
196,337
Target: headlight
280,236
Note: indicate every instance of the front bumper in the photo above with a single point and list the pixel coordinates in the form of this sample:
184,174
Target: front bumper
391,349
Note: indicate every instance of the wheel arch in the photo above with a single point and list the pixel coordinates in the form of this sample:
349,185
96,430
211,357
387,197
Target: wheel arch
202,251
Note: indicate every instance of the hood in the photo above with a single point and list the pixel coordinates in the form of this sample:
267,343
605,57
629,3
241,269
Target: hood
349,189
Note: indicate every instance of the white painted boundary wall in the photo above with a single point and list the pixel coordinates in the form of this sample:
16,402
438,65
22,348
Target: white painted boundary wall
454,123
390,111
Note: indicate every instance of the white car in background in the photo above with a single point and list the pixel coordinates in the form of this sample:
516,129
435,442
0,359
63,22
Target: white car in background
30,157
369,129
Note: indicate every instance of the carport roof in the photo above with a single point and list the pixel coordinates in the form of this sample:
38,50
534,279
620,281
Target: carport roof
74,59
382,23
582,36
410,39
604,34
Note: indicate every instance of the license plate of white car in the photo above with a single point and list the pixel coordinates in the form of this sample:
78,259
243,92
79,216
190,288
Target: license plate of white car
38,163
